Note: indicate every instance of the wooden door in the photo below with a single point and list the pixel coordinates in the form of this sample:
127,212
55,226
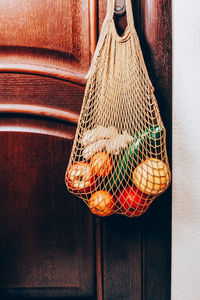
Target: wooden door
51,246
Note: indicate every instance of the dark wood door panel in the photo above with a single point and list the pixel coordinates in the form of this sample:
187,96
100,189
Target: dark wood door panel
46,233
23,24
47,37
123,258
157,250
141,249
36,124
40,91
40,96
156,40
48,236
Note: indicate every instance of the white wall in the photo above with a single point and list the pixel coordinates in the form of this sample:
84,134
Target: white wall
186,151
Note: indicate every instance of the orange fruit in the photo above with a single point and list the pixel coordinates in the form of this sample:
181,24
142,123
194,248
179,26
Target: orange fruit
102,203
102,164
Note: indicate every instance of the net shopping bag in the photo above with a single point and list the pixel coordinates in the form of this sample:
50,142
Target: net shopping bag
118,162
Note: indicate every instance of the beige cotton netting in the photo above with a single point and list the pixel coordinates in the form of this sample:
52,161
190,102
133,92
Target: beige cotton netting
118,162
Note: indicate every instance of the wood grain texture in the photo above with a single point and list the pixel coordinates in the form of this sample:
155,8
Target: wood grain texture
47,71
40,245
34,124
156,40
122,237
122,258
156,45
47,235
150,242
38,111
48,37
42,254
93,26
99,259
40,95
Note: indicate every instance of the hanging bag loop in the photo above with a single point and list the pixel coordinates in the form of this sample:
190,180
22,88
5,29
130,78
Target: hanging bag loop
105,28
109,22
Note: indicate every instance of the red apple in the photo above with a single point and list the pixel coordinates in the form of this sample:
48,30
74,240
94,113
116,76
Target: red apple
132,202
80,178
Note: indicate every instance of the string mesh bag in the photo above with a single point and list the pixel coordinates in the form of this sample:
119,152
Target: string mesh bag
118,162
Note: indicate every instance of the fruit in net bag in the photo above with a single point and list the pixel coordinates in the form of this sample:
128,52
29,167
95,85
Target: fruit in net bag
80,178
151,176
150,139
102,164
102,203
132,202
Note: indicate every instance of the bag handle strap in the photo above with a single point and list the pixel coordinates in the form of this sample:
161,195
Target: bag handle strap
105,26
